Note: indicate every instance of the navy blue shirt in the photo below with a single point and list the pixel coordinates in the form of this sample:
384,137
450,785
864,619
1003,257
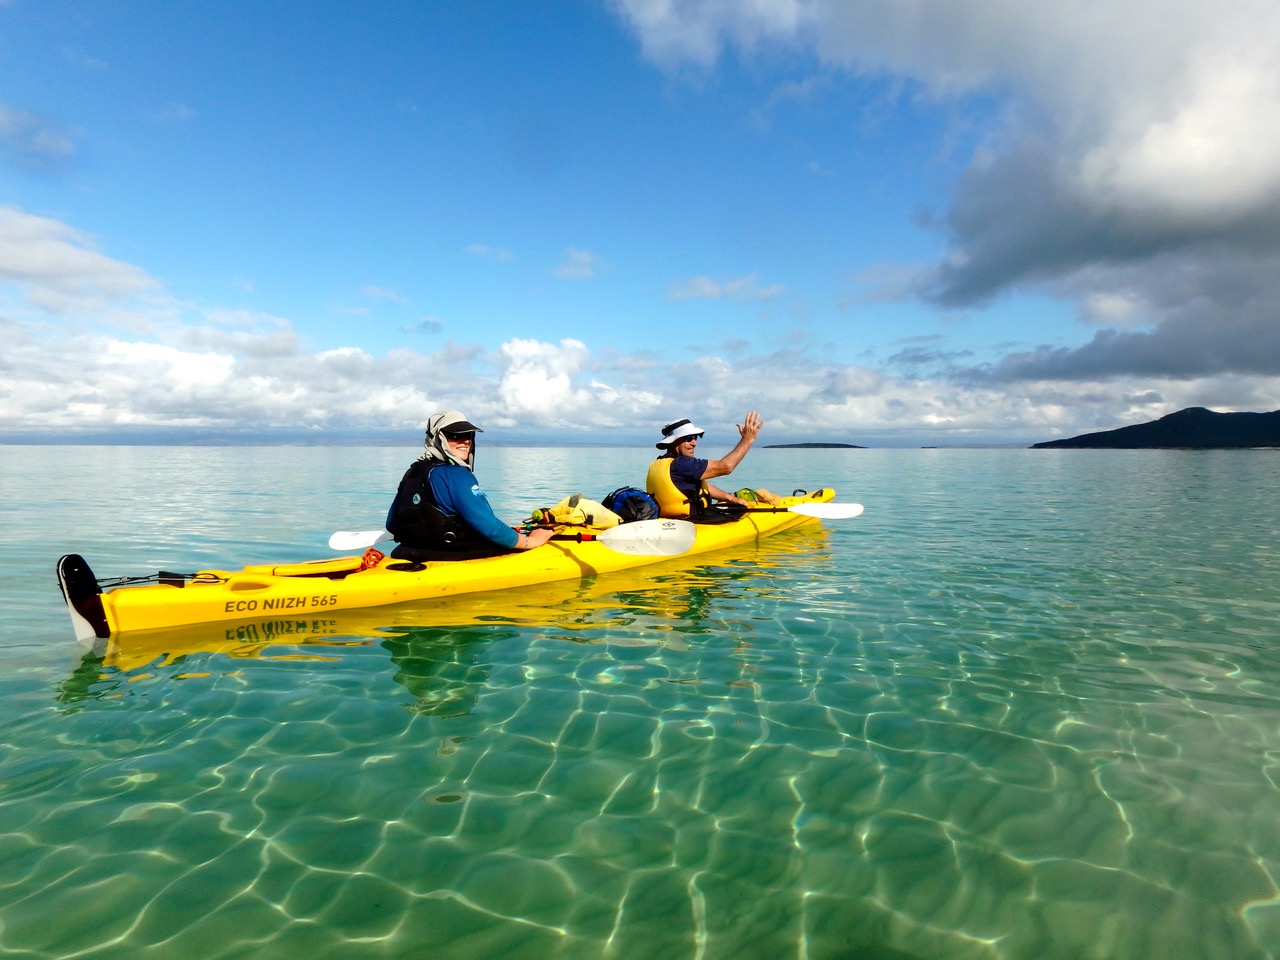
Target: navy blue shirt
686,474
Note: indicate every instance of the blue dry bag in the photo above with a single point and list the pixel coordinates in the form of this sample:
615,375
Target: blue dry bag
631,503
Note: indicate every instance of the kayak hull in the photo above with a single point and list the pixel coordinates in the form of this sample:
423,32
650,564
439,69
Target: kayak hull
641,606
321,588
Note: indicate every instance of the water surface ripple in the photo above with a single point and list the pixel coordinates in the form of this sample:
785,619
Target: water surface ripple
1026,708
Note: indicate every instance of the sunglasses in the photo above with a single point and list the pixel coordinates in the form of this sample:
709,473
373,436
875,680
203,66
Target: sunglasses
460,437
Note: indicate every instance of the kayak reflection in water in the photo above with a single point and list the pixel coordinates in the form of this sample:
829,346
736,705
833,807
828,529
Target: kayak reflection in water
440,512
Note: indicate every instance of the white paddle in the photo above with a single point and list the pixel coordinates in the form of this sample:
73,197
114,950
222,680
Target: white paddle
642,538
826,511
358,539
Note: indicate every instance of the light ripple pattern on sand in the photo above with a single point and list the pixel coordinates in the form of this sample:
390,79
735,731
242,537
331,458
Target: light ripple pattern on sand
1025,707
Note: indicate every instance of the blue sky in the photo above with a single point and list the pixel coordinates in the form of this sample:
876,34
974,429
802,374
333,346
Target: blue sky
876,222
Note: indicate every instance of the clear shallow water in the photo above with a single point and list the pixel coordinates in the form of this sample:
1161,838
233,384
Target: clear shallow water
1027,706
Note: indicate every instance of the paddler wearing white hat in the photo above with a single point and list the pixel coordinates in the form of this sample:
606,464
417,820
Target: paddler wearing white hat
678,479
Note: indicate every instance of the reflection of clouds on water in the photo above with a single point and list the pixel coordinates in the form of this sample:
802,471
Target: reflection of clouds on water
1026,709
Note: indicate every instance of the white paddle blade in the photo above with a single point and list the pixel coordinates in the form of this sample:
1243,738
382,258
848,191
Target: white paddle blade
651,538
828,511
357,539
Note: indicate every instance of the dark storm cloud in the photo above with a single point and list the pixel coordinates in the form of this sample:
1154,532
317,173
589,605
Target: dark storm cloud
1207,312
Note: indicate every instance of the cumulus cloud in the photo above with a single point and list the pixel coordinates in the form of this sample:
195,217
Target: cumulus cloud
257,375
248,333
245,371
249,382
86,353
1131,144
560,385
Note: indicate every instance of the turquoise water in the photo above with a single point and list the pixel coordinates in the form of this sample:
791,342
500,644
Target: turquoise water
1027,706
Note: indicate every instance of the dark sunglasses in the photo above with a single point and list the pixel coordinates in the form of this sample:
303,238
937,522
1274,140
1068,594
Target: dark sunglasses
461,437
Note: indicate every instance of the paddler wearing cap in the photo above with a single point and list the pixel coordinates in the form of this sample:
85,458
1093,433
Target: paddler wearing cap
678,479
440,512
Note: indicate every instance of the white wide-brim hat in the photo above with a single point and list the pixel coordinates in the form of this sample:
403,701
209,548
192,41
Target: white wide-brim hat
673,433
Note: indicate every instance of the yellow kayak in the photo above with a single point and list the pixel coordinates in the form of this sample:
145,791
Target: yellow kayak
657,595
322,588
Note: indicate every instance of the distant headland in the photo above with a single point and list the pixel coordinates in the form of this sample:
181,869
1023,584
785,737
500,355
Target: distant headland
813,446
1194,428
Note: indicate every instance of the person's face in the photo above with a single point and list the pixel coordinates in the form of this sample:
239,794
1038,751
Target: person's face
460,445
687,446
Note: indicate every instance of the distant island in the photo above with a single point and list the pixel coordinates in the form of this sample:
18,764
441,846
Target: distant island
813,446
1194,428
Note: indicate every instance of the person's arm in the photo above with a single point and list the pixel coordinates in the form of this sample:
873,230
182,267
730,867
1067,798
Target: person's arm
718,494
534,538
460,491
457,489
748,430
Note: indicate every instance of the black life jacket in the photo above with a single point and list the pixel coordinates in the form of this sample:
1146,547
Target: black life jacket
418,523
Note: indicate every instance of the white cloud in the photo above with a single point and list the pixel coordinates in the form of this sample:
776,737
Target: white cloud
695,288
741,288
155,362
578,265
252,380
32,141
1111,309
537,380
1207,155
95,383
172,113
486,252
382,293
1153,101
244,370
675,32
428,324
57,268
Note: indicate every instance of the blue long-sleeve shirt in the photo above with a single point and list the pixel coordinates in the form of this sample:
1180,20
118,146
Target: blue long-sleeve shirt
458,491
